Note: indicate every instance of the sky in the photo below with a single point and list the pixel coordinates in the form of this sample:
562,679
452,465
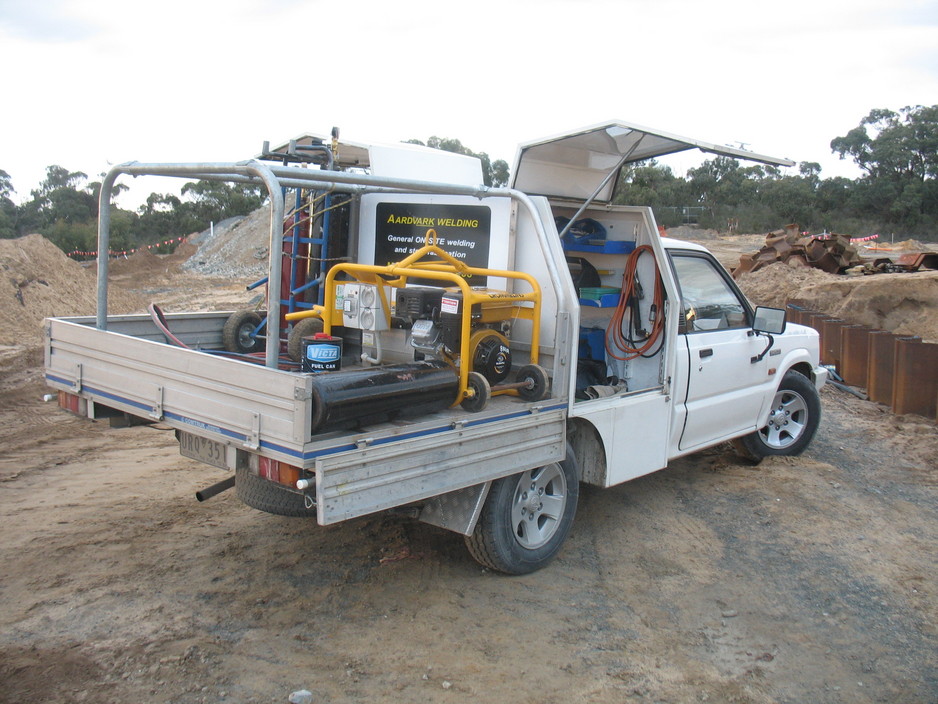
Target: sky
92,83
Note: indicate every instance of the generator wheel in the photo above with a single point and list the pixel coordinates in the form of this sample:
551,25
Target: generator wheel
238,333
265,495
526,518
793,421
536,380
307,327
481,393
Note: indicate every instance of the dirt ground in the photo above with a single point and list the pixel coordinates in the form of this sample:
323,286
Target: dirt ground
808,579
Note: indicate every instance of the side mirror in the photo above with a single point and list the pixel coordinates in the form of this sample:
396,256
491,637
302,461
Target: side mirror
769,320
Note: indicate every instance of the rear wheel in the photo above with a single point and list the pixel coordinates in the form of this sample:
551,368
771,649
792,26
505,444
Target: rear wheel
793,421
535,380
526,518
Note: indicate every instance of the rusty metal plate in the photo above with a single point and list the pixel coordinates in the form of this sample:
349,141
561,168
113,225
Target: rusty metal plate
881,358
914,262
915,389
854,354
830,341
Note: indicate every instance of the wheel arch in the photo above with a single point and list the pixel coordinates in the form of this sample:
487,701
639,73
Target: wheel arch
803,367
796,362
589,451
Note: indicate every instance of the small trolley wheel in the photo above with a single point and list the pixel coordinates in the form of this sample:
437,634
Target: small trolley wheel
307,327
536,383
238,333
481,393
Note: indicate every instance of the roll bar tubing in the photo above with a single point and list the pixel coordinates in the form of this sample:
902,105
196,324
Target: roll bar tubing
274,178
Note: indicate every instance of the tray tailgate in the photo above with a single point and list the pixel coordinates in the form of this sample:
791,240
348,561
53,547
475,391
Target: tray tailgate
226,399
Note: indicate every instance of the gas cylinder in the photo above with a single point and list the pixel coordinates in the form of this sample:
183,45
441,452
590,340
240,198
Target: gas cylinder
358,397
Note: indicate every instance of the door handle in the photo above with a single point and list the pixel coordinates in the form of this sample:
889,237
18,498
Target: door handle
708,352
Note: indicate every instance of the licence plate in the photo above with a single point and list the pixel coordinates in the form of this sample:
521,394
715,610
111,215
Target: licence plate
202,449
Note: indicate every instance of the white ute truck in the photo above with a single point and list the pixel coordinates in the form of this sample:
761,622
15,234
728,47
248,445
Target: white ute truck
466,354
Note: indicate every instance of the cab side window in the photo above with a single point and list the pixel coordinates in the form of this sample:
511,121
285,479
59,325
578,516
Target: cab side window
708,300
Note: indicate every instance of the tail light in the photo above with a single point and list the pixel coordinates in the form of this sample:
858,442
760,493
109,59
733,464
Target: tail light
73,403
276,471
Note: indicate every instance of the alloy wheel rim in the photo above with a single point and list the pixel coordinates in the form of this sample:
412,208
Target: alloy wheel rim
538,505
787,420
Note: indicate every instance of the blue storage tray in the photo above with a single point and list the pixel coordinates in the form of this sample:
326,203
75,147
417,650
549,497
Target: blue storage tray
608,247
610,300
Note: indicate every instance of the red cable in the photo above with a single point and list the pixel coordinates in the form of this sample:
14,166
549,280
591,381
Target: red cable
615,340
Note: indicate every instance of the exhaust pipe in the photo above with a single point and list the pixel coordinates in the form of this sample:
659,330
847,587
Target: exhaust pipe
214,489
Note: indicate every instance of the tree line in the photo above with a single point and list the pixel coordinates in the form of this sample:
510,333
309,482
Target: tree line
64,209
897,153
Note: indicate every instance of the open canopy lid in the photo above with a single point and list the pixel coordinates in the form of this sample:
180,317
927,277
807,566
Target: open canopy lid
574,165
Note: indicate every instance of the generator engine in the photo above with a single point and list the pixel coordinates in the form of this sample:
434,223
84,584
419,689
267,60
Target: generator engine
436,316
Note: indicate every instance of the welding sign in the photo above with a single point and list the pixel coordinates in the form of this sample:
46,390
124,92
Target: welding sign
462,231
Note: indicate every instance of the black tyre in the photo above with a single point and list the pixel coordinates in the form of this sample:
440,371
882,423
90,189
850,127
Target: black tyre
307,327
536,381
526,518
481,393
265,495
238,333
793,421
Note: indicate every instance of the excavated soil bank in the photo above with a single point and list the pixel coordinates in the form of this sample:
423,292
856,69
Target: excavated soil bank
40,281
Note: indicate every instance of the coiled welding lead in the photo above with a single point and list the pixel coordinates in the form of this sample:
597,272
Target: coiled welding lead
358,397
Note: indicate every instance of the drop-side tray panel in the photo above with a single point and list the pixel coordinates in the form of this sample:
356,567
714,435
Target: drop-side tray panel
374,478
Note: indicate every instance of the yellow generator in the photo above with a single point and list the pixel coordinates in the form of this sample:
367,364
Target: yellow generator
464,326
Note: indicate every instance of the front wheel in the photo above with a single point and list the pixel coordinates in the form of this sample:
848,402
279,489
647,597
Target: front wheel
793,421
481,393
526,518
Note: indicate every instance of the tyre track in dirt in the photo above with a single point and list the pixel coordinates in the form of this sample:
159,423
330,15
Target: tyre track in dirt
713,580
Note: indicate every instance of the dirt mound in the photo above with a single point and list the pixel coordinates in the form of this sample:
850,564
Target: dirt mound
903,246
777,284
39,281
692,233
900,303
236,247
146,261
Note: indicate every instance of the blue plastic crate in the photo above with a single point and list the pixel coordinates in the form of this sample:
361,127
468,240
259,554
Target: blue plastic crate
592,343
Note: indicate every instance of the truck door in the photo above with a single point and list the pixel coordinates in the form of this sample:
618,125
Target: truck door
724,390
